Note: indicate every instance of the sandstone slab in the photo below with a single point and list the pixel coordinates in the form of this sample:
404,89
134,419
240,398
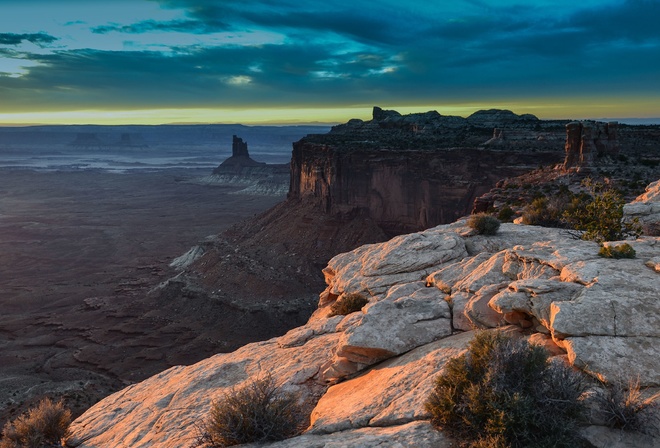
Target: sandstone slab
616,358
390,393
419,434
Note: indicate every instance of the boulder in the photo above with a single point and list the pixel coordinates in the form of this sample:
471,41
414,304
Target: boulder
646,208
162,410
396,324
373,268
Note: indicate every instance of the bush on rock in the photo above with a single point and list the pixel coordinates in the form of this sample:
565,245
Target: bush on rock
484,224
256,413
347,304
624,250
44,425
506,393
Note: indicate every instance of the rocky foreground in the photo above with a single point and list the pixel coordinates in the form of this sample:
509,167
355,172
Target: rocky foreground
369,373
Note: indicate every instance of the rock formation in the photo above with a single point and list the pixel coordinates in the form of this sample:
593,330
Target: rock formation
254,177
587,141
128,140
368,374
410,172
240,158
646,209
87,140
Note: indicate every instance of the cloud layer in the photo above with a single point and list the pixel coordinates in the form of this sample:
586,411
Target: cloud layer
268,53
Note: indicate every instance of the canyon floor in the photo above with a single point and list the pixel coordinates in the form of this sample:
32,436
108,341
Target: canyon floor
78,252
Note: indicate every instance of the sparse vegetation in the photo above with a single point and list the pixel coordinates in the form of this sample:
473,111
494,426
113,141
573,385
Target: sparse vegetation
506,393
624,408
624,250
347,304
484,224
597,214
258,412
506,214
601,217
44,425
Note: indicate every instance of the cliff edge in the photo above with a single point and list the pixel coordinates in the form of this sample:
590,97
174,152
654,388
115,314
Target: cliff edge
412,172
368,374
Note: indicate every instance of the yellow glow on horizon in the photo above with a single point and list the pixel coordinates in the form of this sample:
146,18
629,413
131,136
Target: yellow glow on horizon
544,108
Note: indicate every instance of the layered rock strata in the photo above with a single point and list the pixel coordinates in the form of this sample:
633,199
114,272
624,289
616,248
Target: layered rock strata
367,374
587,141
411,172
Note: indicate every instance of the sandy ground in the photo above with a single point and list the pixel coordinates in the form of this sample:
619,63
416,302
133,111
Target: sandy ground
78,252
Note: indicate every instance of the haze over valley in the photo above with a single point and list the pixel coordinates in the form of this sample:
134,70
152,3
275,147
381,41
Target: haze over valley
203,199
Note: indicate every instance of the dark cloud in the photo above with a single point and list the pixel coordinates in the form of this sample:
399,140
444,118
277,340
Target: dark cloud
182,26
204,77
634,20
377,24
336,55
35,38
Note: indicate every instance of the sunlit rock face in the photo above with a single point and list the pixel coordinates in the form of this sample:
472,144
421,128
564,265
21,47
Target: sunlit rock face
367,374
411,172
646,209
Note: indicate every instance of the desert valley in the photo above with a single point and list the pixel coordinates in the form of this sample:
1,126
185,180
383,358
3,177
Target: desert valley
113,274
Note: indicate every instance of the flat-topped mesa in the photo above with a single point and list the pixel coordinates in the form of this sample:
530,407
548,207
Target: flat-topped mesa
240,158
432,122
87,140
411,172
587,141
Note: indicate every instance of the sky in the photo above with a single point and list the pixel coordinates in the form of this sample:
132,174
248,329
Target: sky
297,61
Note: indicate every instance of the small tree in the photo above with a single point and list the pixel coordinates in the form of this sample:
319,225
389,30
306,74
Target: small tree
601,216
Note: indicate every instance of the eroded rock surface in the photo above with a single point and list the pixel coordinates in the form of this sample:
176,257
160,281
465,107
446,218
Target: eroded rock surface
367,374
646,208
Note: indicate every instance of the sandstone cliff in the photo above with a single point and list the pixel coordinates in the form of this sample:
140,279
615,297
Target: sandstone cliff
411,172
359,184
368,374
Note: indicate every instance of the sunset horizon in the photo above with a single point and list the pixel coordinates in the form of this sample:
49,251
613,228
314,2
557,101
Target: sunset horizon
186,61
306,116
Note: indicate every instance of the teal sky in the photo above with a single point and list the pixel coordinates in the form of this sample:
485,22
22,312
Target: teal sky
161,61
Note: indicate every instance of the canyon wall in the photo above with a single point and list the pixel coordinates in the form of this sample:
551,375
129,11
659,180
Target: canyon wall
412,172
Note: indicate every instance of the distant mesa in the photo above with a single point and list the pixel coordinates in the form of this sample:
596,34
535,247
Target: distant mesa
131,141
255,178
87,140
240,158
91,140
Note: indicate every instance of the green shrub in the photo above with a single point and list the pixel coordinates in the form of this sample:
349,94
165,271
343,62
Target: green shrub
505,393
600,217
484,224
43,425
506,214
626,409
624,250
259,412
548,211
347,304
